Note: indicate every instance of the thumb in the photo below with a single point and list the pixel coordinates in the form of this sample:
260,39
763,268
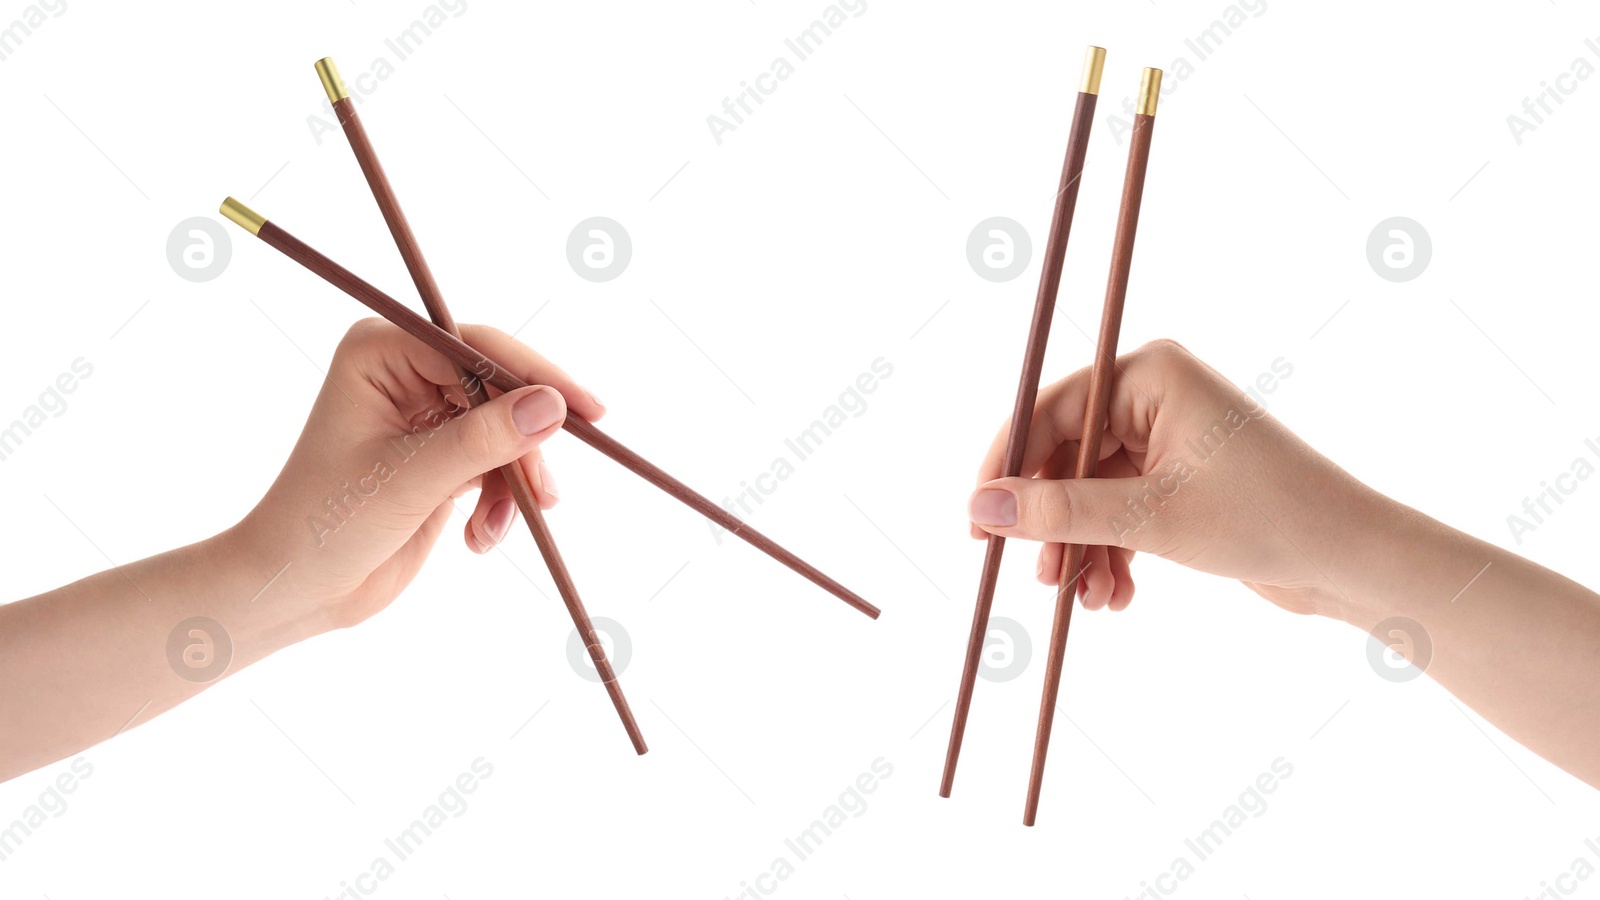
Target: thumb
1094,511
480,440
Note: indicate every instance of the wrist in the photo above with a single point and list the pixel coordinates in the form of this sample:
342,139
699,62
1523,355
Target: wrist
1401,563
255,594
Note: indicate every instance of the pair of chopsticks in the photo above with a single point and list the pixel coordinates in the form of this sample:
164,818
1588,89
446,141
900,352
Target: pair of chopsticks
1028,389
476,369
516,477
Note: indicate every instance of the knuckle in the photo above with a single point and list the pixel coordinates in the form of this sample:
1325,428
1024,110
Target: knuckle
360,342
1052,508
477,437
364,331
1165,348
1164,361
475,333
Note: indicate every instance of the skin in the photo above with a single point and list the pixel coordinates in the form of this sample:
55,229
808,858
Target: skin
89,660
1513,640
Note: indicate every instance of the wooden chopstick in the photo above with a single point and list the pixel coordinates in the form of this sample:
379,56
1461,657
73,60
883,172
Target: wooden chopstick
462,354
1099,400
1028,386
521,489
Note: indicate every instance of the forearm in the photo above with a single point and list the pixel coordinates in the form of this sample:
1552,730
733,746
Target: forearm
1518,643
86,661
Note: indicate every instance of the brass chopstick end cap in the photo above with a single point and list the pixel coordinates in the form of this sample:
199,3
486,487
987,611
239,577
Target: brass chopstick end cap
1149,92
1094,62
243,216
331,82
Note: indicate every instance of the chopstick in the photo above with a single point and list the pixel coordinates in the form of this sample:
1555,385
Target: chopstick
1028,385
521,488
1094,417
487,370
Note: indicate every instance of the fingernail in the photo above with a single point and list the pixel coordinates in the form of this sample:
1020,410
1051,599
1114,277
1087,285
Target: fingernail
548,481
992,507
595,400
537,411
498,521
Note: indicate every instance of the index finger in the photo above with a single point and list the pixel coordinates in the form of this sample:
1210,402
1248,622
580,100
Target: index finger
1045,432
522,361
1059,408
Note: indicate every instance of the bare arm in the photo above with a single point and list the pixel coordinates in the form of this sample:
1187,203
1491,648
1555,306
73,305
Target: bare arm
1195,471
87,661
346,526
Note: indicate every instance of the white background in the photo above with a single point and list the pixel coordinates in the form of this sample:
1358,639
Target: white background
768,273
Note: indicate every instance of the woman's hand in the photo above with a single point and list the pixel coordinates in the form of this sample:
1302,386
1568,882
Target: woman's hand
364,496
1194,470
1191,469
389,443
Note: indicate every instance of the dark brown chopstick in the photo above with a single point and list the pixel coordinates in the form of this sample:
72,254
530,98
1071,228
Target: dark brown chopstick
1100,374
460,353
433,299
1028,386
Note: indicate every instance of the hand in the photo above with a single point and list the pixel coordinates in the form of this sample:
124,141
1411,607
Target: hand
388,445
1191,469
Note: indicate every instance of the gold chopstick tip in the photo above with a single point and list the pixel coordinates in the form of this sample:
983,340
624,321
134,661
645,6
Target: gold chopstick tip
1149,92
1094,62
243,216
331,82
